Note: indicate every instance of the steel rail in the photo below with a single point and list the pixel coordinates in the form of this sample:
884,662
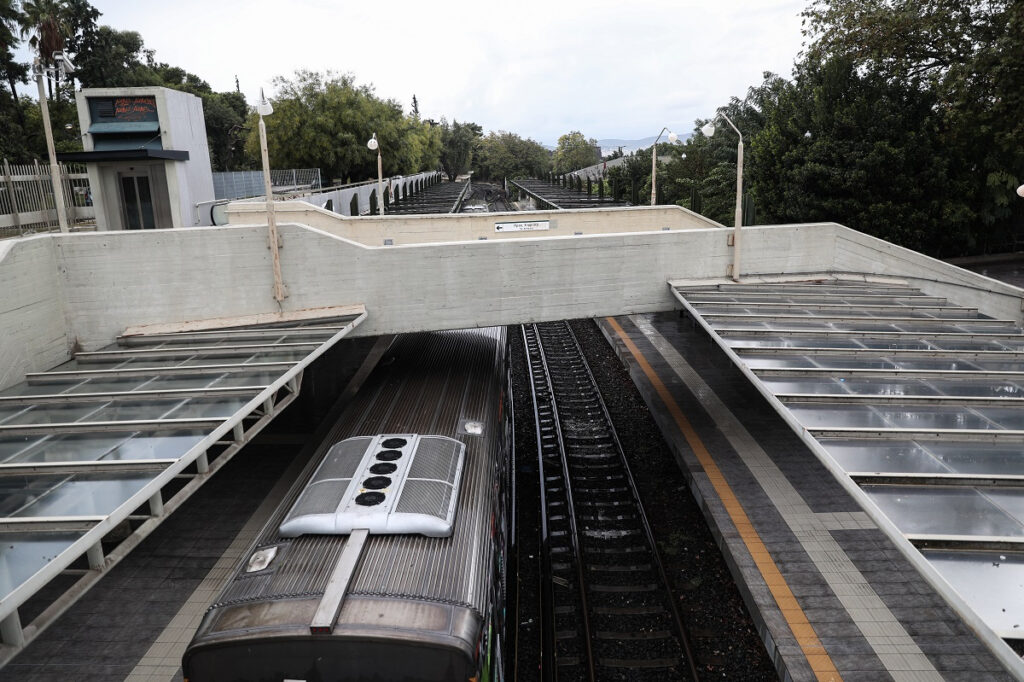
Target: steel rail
684,634
546,414
599,470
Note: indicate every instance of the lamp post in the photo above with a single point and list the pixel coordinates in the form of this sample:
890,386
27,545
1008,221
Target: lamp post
672,137
264,108
58,188
374,145
709,130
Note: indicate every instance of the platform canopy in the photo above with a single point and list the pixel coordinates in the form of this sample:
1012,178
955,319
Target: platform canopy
87,448
918,400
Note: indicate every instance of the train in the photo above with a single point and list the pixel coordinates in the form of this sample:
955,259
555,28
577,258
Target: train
389,558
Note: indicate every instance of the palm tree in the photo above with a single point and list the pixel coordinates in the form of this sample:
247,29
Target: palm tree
13,71
46,24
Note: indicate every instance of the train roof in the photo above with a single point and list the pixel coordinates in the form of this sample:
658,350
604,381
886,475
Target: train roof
426,384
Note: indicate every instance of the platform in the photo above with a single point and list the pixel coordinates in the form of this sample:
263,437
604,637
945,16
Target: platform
833,596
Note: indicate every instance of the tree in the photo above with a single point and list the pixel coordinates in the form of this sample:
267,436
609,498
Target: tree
457,146
13,72
45,22
109,58
970,57
874,161
574,151
415,107
506,155
324,121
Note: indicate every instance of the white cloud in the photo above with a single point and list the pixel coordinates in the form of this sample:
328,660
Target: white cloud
536,68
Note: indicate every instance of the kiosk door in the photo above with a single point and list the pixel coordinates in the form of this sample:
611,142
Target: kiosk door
136,201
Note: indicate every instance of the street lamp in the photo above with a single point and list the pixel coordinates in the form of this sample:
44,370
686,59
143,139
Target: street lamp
709,130
672,137
63,66
372,145
264,108
1020,191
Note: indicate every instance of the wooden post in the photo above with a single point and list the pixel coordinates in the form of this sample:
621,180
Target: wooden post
14,197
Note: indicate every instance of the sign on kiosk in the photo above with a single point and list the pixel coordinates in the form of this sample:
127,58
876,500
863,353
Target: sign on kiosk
525,226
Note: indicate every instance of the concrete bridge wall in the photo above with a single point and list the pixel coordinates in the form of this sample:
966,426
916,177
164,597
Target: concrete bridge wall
83,289
420,229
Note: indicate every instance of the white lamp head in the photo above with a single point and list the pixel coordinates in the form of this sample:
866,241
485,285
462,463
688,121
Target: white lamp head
807,134
709,128
372,144
672,137
263,107
1020,191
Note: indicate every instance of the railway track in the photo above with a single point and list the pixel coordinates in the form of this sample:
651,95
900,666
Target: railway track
606,611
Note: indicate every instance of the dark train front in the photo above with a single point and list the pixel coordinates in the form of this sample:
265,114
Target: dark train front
387,560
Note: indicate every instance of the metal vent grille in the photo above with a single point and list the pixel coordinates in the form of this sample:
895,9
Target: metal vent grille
436,459
319,498
105,108
342,459
425,497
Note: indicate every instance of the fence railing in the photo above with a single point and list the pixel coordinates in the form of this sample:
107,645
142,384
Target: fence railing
246,184
26,197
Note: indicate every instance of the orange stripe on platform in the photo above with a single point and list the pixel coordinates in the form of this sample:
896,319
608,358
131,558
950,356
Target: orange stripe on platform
820,662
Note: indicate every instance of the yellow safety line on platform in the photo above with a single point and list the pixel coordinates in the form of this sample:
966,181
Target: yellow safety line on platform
819,660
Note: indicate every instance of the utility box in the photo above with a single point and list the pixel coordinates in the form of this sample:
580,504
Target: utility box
147,157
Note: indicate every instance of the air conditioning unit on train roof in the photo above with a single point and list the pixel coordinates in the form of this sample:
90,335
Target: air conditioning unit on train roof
387,484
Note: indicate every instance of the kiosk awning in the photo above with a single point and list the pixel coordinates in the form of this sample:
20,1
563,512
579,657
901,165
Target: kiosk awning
124,155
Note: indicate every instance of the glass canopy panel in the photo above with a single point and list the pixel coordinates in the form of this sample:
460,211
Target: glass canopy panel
45,414
989,582
902,457
993,388
1010,500
93,447
22,555
921,417
123,410
77,495
967,457
943,511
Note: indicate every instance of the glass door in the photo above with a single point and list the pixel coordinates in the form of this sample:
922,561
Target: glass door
137,202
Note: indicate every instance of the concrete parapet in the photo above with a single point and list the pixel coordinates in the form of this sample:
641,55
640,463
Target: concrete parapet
67,290
423,229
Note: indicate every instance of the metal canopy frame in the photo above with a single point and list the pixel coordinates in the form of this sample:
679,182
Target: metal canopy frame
219,435
931,329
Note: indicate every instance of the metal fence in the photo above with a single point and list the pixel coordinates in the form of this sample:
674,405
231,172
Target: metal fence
26,197
246,184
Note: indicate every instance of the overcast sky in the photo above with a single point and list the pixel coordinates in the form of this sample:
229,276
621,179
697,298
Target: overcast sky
604,67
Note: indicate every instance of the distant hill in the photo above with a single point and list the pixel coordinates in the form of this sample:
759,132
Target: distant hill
609,145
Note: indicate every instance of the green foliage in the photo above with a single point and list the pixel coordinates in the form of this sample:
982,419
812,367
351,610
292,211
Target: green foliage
875,160
325,120
457,141
574,151
506,155
968,57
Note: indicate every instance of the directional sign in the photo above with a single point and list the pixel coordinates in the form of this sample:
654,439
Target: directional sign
526,226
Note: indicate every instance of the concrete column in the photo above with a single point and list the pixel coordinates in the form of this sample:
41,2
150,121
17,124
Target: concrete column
156,504
11,632
95,556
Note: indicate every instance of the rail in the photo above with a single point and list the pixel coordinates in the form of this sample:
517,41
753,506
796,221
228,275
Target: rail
603,573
